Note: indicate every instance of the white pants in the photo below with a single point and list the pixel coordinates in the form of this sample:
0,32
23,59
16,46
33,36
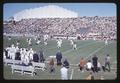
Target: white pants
31,56
74,46
8,54
45,43
12,56
59,45
64,77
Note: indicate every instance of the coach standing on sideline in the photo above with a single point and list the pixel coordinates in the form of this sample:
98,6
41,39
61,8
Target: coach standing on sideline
41,56
59,57
107,62
35,57
95,62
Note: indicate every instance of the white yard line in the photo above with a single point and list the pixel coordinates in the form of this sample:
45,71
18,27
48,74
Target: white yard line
90,54
94,52
78,47
71,76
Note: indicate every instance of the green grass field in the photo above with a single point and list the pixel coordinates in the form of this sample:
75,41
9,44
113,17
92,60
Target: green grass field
85,48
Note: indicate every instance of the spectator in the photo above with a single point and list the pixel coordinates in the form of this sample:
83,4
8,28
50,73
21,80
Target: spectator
66,63
95,63
64,73
89,65
90,77
35,57
82,64
51,63
98,27
107,62
41,57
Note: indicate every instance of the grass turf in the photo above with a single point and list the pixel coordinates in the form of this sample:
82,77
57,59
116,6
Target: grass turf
85,48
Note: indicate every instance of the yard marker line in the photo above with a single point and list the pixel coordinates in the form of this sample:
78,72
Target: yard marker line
79,47
72,74
94,52
91,54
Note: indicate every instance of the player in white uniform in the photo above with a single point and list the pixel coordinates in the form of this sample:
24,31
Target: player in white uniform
59,43
29,42
38,42
22,52
74,46
4,57
17,48
45,39
31,52
26,58
9,38
106,42
17,43
71,42
12,52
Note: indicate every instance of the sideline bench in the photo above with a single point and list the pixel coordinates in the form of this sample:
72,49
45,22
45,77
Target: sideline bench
11,62
23,69
38,65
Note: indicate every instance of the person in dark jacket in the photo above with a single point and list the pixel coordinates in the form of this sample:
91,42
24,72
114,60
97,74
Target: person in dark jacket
41,57
66,63
59,58
17,56
35,57
6,53
95,62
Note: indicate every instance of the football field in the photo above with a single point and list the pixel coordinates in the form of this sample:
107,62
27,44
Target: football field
85,49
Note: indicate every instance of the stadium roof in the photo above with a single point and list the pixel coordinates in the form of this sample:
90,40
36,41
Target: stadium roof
50,11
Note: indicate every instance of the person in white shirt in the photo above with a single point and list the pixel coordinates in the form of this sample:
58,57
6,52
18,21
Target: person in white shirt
12,52
29,42
45,39
71,42
59,43
64,73
17,48
25,58
106,42
38,42
31,52
22,52
4,56
99,66
74,46
89,65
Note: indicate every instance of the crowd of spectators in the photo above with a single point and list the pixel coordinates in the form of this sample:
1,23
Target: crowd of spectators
93,26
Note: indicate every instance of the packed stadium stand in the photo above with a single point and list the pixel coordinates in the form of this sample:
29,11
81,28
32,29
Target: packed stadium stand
86,27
